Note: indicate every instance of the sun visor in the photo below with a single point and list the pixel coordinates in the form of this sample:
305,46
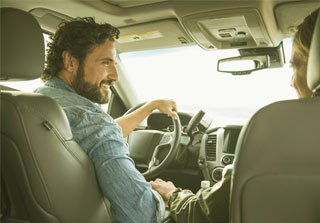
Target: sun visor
48,19
291,14
152,35
237,28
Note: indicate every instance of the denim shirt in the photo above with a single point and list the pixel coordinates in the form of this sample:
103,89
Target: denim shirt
130,195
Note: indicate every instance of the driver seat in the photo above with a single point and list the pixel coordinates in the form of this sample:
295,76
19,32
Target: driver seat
46,176
276,174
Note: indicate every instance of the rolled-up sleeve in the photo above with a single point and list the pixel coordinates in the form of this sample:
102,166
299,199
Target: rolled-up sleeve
212,205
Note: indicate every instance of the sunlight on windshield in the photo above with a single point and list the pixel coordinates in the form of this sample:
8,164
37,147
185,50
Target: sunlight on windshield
189,76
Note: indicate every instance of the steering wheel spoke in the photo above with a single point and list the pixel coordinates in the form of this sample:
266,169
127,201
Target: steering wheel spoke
160,151
165,152
167,138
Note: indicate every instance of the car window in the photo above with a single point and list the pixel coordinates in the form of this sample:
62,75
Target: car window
189,75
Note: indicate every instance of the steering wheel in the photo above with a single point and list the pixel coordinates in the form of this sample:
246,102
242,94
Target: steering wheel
158,164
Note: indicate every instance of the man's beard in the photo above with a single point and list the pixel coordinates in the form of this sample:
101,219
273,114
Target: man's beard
87,90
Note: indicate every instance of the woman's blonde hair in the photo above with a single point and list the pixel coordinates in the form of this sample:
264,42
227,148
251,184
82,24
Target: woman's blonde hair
303,35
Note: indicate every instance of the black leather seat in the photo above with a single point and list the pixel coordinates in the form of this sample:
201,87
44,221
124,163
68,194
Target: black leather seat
276,175
47,177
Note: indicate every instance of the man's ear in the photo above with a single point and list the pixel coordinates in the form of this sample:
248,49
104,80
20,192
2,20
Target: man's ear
70,63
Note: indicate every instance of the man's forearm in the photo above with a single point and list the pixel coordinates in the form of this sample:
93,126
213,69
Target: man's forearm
130,121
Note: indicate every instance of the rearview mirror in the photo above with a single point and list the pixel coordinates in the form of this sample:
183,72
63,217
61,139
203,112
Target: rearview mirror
243,64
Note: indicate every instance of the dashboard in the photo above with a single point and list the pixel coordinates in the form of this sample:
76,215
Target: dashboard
218,146
160,121
211,148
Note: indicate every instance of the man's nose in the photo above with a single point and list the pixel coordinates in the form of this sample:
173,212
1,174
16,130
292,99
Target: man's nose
113,73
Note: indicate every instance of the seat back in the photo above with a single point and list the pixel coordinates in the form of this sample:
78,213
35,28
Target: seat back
46,176
276,174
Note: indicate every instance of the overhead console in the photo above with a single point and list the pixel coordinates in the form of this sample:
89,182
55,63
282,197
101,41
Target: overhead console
236,28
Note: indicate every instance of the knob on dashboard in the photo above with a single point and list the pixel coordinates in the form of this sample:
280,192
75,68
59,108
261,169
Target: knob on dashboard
216,174
227,159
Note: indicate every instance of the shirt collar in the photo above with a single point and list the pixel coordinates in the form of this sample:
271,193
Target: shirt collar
58,83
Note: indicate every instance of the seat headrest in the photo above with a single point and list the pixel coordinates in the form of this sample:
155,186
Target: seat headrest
313,71
22,45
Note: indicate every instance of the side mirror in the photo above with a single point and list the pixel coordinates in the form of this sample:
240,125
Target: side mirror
243,64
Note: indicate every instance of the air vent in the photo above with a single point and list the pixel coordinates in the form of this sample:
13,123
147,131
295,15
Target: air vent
211,145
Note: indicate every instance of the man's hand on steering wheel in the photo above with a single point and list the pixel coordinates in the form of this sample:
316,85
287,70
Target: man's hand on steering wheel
168,107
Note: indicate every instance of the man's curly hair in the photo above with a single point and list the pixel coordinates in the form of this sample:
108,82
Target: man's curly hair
79,37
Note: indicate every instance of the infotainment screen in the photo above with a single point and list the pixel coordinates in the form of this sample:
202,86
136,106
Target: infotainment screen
231,134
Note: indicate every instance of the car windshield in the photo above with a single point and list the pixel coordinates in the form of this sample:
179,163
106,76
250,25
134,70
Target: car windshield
189,76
